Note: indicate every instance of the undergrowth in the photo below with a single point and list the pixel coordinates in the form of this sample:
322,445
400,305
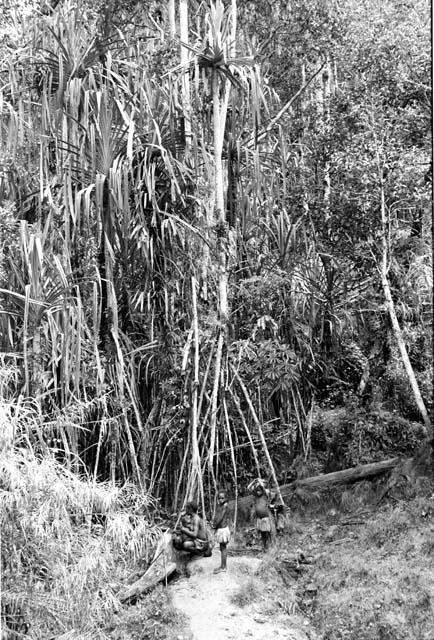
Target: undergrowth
149,619
245,594
372,578
68,543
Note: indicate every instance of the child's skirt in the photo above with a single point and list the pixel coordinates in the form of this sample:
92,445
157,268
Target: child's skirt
264,524
222,535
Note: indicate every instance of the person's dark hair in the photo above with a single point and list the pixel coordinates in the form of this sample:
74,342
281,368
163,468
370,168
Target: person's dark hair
192,505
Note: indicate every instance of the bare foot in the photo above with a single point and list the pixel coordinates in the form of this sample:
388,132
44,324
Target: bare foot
219,570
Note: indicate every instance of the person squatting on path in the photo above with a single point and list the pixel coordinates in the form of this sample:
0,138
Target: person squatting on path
193,534
178,537
221,526
262,512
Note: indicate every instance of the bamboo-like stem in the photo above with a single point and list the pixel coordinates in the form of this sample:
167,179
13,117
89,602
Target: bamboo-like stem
187,350
98,450
261,435
27,376
133,456
299,422
113,448
246,428
301,402
145,437
185,91
214,397
260,410
234,464
205,379
152,476
309,429
163,454
197,474
181,475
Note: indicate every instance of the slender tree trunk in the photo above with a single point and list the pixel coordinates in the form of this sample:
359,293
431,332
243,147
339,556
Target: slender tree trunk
145,439
37,367
303,168
132,451
196,466
234,463
218,124
260,432
105,268
218,133
326,91
171,15
185,90
214,397
394,320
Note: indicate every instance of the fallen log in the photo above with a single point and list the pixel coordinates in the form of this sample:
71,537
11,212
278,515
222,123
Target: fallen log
164,563
355,474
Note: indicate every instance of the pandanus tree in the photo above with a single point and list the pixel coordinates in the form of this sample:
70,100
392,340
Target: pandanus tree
227,79
107,181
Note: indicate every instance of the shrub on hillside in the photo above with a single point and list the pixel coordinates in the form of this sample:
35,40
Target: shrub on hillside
349,436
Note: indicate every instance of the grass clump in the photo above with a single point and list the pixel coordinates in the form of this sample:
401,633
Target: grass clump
246,594
149,619
387,528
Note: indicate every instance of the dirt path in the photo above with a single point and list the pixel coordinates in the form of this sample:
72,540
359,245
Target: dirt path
207,601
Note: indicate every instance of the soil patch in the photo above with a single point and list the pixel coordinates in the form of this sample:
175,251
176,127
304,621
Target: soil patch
230,605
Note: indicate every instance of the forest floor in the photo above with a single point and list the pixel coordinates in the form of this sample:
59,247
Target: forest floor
368,576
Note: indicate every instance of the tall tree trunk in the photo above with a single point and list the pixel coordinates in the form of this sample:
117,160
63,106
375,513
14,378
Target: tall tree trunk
394,320
219,120
326,91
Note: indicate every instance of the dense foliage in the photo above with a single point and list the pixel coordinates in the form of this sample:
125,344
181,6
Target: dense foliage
164,336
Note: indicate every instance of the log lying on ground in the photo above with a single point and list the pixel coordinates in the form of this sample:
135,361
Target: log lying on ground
164,563
355,474
362,472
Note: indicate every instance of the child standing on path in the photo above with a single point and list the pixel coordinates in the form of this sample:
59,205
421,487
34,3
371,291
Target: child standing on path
262,512
221,526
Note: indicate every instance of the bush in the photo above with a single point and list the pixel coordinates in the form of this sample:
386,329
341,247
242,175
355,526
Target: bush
65,540
149,619
387,528
351,436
